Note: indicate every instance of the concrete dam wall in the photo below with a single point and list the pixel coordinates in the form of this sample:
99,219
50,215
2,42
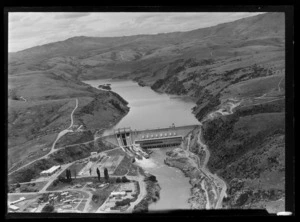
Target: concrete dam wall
149,138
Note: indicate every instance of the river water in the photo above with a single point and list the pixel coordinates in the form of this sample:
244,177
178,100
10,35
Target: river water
175,187
148,110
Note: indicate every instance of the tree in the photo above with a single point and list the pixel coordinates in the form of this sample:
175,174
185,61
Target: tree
106,174
70,175
95,198
55,182
48,209
98,173
118,180
124,179
152,178
123,202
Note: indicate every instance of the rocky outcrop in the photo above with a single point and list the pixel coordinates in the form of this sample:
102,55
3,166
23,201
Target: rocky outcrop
152,195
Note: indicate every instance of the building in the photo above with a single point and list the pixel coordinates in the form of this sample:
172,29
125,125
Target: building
93,154
160,142
149,138
50,171
121,193
13,208
19,200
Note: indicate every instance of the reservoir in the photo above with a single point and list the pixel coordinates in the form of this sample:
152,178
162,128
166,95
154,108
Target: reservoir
148,110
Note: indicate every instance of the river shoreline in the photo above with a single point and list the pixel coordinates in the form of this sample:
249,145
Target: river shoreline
152,196
197,199
208,190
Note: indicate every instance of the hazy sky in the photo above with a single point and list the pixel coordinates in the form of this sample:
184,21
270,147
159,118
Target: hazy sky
30,29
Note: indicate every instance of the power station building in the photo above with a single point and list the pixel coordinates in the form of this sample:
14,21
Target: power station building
160,142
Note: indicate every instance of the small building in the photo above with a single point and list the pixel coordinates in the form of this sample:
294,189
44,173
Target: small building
67,206
67,201
121,193
13,207
19,200
50,171
94,154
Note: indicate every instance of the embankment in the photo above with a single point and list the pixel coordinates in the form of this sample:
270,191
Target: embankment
153,189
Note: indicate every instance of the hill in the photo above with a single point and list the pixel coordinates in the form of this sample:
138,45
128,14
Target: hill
40,106
241,61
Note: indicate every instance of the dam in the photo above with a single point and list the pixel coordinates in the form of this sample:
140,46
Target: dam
151,123
149,138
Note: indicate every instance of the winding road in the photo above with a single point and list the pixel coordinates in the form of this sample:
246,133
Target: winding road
143,191
62,133
213,178
220,182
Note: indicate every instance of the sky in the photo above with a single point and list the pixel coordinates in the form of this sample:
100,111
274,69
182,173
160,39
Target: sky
29,29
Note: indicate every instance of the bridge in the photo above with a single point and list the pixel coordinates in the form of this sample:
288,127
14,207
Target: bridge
149,138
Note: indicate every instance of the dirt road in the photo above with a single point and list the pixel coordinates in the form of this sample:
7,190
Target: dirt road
62,133
216,181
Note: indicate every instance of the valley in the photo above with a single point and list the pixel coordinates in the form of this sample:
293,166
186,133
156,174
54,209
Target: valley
64,95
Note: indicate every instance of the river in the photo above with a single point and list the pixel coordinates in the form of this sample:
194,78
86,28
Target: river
149,109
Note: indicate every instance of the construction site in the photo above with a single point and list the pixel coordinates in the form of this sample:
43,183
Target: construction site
86,191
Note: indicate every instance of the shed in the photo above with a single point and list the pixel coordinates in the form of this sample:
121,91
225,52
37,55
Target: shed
13,207
50,171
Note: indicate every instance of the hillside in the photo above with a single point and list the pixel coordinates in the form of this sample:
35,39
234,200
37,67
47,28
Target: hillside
200,63
40,105
241,61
